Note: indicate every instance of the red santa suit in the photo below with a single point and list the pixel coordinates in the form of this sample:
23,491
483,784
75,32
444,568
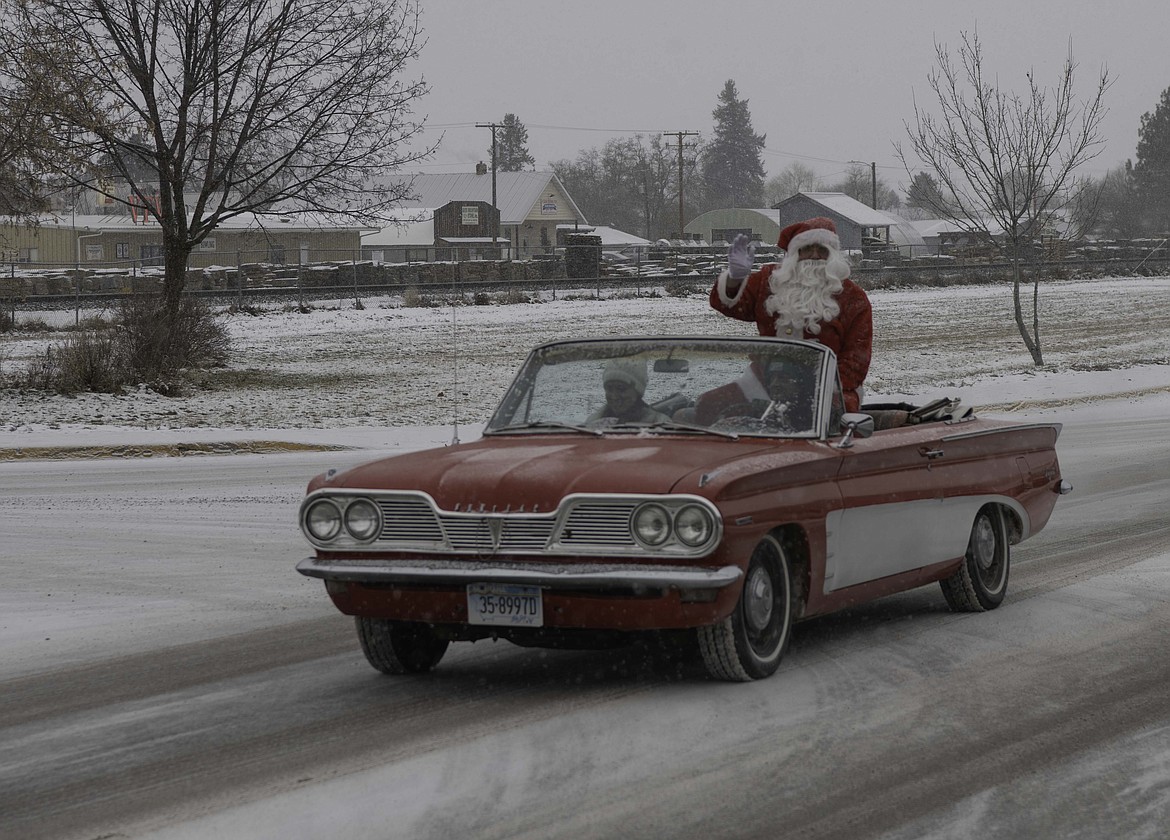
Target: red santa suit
839,317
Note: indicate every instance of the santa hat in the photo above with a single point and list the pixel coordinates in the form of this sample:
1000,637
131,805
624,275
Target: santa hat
630,371
818,231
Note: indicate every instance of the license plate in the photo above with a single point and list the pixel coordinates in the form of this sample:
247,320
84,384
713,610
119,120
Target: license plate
504,604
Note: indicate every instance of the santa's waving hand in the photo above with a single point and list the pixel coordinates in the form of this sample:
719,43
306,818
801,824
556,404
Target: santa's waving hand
807,295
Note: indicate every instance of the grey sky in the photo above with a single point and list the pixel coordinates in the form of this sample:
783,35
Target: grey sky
826,82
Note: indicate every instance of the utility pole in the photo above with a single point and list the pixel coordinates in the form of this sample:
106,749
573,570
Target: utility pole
872,180
496,225
680,135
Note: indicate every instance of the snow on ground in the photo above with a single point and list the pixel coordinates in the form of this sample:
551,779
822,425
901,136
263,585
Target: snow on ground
366,377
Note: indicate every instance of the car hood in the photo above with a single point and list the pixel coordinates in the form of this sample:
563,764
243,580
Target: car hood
530,472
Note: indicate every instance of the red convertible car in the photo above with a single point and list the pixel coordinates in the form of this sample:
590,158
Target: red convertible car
709,486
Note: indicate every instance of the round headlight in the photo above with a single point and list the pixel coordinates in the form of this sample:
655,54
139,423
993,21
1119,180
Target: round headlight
323,520
651,525
361,519
693,525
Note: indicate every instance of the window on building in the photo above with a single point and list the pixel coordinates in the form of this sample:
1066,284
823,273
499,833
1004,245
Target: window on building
122,250
276,254
150,254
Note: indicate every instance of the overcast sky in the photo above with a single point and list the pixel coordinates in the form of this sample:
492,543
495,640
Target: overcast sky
827,83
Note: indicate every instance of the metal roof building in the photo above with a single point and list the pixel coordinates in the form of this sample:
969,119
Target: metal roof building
531,204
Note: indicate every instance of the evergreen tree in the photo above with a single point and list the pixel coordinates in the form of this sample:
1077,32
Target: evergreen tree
924,195
512,146
1151,169
732,168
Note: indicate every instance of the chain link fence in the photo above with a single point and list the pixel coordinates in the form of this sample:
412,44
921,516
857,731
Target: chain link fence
56,296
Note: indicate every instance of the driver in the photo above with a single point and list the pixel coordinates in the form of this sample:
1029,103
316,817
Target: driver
624,381
789,384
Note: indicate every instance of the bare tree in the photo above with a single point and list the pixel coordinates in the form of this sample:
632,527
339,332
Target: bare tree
209,109
792,179
630,183
1007,161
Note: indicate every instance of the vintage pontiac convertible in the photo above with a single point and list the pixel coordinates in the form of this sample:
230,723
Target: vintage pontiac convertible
728,497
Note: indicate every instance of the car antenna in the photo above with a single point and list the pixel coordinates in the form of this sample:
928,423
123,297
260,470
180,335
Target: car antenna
455,373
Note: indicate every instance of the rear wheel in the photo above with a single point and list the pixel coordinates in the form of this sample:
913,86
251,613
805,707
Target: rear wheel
396,647
749,644
981,581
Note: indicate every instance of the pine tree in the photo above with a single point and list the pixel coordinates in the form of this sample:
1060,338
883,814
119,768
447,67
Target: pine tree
733,171
1151,169
924,198
512,146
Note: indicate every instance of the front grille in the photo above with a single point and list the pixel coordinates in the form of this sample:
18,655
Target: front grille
586,524
412,522
409,520
599,524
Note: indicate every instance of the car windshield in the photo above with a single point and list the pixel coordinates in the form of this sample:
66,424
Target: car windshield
728,387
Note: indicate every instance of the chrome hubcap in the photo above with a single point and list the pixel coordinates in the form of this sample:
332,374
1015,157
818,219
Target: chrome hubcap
983,543
758,599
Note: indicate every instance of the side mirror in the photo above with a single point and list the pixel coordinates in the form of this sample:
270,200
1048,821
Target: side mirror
855,424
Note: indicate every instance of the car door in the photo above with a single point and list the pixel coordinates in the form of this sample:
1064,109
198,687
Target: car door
907,502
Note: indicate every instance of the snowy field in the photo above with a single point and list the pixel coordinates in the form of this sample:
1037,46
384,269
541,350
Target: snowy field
375,375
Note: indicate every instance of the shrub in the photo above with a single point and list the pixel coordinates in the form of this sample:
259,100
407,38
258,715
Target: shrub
158,347
86,361
679,288
32,325
412,298
245,309
42,373
515,295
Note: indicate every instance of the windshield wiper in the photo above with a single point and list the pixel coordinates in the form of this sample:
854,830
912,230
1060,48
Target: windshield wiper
672,426
545,424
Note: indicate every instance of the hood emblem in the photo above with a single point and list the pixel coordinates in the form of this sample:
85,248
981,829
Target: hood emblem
495,528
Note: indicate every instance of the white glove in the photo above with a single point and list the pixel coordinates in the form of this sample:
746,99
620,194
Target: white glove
740,257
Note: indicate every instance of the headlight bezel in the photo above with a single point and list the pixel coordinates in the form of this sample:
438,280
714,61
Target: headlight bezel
699,525
698,518
341,521
336,518
647,513
373,519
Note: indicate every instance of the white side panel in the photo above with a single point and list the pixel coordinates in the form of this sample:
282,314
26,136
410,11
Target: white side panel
875,541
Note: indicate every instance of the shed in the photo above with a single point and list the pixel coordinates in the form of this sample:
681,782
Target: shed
857,224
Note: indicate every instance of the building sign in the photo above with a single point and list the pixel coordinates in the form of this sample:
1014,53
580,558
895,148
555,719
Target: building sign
207,244
93,253
471,214
548,207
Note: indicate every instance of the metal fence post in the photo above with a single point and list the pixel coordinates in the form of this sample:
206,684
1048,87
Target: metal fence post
357,302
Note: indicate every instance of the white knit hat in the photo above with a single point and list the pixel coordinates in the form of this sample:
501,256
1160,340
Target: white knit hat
630,371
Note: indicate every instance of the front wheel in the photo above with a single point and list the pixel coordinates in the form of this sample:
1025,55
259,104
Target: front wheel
749,644
981,581
396,647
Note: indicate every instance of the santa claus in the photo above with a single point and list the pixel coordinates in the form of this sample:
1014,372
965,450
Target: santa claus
807,295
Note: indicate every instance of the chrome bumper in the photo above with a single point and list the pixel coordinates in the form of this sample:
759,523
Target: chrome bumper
548,575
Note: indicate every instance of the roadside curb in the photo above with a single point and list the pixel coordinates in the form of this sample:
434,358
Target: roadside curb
165,450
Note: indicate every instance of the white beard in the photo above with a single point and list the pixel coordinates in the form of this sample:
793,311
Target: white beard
803,294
